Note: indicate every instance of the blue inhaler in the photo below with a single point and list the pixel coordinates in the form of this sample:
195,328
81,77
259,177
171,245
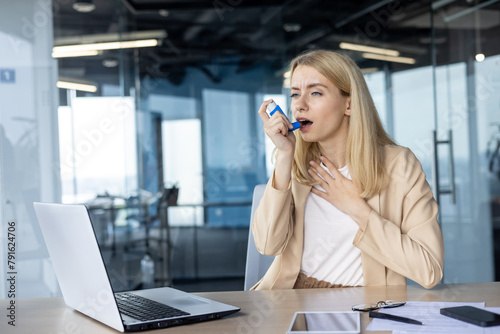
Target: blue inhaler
273,107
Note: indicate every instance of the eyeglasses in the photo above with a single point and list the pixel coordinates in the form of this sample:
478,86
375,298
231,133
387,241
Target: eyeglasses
379,305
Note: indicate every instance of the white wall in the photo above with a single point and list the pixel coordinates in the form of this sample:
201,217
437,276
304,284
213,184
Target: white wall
29,156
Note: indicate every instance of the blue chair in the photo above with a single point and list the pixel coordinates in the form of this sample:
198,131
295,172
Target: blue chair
257,264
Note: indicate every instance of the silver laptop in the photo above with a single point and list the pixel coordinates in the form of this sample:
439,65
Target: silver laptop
85,285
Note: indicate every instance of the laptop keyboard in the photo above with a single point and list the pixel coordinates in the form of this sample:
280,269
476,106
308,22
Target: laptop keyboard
145,309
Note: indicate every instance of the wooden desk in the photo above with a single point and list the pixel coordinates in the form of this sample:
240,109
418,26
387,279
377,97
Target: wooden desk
261,312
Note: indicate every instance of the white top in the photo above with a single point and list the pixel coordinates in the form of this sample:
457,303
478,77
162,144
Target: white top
329,254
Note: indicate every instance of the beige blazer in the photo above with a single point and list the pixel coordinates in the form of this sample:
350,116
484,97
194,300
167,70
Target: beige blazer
402,238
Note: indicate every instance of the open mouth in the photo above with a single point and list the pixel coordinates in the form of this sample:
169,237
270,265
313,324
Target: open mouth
304,122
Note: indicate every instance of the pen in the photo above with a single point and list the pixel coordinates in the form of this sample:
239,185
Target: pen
374,314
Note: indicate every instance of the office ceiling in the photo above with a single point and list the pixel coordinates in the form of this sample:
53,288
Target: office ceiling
204,33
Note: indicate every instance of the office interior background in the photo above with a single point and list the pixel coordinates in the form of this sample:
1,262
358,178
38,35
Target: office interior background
179,112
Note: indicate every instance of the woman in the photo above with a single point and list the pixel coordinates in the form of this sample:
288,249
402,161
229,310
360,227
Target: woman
345,206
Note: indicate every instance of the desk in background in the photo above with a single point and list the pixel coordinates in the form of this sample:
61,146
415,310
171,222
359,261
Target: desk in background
262,312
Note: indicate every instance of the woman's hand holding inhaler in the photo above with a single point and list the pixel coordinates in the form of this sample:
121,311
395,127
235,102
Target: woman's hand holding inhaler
277,129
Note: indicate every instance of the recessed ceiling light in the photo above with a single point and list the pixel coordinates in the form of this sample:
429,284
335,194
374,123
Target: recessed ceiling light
84,6
110,62
292,27
480,57
163,12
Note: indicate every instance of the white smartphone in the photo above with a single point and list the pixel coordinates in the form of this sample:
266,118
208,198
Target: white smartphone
325,323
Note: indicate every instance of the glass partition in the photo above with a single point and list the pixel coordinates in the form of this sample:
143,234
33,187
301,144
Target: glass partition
182,113
466,114
28,146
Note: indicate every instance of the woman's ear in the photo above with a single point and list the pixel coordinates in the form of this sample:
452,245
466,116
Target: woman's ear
347,111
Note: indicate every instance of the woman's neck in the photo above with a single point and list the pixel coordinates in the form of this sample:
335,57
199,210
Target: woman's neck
334,146
335,152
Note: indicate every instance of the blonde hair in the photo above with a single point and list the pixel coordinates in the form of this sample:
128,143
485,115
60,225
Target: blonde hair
366,136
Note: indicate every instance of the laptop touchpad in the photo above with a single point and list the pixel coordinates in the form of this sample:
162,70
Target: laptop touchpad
187,301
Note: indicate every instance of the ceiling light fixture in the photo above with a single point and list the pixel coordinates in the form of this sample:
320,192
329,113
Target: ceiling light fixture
371,49
110,63
71,49
163,12
404,60
369,70
77,86
84,6
292,27
111,37
480,57
86,53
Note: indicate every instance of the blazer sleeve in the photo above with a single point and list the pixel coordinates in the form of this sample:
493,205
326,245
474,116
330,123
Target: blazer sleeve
272,225
414,248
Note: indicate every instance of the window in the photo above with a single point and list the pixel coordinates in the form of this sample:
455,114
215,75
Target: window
182,166
97,152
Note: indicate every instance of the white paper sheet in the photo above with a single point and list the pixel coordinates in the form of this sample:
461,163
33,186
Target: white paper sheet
434,322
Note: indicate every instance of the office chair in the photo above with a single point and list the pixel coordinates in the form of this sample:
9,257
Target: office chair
257,264
163,250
